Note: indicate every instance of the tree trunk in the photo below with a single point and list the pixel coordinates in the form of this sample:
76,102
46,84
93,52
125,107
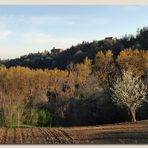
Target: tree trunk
18,119
133,115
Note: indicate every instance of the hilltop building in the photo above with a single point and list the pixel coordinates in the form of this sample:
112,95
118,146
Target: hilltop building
55,51
108,38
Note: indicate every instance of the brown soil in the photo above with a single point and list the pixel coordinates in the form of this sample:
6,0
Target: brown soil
126,133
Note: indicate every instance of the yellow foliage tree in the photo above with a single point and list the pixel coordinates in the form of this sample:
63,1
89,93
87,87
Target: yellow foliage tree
135,61
104,67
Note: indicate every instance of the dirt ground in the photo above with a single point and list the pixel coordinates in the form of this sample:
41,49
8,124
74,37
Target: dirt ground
123,133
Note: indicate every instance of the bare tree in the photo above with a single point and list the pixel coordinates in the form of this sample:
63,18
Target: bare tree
129,92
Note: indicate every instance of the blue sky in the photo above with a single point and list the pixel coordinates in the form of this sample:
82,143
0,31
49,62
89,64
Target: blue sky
25,29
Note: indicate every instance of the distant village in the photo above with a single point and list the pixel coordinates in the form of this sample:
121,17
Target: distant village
46,55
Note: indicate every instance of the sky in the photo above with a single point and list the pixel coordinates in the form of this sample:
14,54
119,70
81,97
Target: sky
31,28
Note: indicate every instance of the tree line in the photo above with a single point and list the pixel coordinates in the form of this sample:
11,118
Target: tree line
76,54
110,89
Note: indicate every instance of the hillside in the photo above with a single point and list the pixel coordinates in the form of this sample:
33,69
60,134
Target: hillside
76,54
123,133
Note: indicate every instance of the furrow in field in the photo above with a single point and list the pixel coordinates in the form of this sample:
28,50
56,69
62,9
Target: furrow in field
47,135
66,136
1,134
18,137
57,136
4,138
27,136
39,136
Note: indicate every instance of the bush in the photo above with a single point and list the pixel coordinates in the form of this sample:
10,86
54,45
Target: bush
44,118
31,117
36,117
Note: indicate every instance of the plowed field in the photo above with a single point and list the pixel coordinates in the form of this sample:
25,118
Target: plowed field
127,133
